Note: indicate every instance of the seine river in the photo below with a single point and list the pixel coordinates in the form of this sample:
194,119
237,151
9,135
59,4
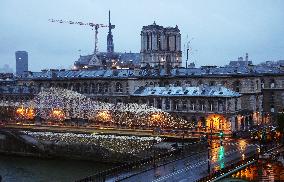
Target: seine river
25,169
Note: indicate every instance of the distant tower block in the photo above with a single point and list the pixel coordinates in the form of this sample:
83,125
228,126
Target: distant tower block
161,47
110,45
21,62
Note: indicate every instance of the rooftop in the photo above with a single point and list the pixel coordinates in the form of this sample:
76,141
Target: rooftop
202,91
142,73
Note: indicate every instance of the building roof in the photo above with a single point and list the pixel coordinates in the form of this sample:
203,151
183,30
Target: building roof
153,73
202,91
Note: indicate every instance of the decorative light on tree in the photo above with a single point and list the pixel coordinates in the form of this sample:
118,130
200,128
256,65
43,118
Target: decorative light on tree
25,113
57,114
60,104
103,116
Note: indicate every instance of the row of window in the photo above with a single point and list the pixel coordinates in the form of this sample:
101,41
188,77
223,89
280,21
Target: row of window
89,88
193,105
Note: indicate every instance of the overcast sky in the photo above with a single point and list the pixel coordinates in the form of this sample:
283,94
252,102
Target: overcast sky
221,30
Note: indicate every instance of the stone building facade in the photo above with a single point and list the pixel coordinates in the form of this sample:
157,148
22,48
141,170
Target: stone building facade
261,88
160,47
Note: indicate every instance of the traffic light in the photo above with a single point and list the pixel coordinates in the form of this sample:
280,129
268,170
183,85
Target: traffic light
221,134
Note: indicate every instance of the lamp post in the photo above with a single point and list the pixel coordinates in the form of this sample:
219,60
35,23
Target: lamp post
209,144
208,154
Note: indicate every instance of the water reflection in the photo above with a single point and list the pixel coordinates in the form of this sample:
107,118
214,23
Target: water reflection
262,171
218,155
240,147
14,169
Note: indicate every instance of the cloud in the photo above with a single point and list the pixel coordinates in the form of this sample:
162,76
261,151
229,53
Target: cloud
222,30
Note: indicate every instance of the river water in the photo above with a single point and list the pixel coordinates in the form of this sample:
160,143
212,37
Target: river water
27,169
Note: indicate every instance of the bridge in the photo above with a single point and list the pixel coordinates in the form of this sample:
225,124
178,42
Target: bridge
190,163
233,168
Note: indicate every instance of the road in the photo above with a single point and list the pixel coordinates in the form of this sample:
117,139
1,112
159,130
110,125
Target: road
194,167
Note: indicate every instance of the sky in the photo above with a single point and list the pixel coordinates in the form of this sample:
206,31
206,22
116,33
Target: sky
219,30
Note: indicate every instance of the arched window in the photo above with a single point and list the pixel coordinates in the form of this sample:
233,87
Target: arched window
159,103
151,102
77,87
262,83
65,85
220,106
211,83
178,84
106,87
86,88
176,105
272,83
237,86
199,83
224,83
188,83
118,87
184,105
251,85
93,88
193,105
167,104
202,105
211,105
99,88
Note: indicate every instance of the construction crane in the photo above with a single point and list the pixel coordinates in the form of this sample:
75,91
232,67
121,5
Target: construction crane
93,25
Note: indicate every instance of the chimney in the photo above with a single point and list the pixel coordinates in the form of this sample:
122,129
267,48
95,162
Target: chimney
247,57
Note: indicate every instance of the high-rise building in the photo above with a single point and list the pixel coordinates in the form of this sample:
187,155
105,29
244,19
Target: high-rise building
160,47
21,62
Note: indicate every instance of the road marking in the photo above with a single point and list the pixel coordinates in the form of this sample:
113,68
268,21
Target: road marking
192,166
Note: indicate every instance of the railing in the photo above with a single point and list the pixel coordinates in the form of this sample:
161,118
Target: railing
133,166
220,174
138,166
217,175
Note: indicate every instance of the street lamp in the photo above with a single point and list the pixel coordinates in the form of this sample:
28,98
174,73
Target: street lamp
209,144
221,135
208,154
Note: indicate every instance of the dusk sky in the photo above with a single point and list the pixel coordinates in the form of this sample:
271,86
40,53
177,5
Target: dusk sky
222,30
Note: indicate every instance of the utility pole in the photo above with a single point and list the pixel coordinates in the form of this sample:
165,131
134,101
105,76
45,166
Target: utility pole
208,155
